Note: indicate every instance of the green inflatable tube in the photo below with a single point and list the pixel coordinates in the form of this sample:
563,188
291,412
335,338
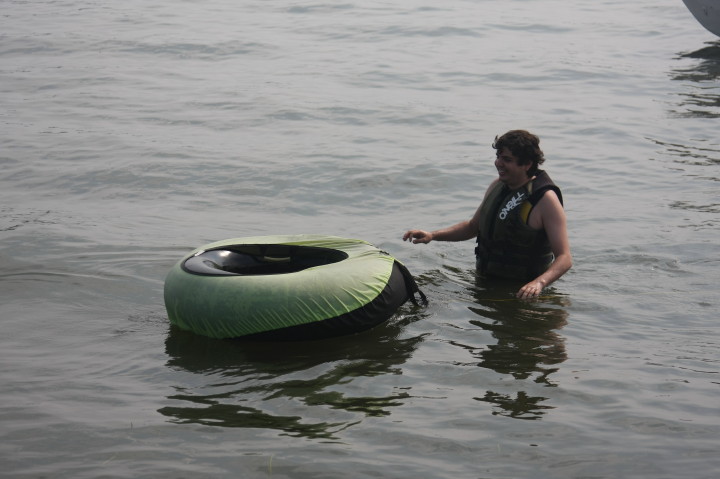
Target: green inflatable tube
295,287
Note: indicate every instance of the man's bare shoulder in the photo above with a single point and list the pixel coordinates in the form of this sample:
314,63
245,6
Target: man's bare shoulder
546,210
550,196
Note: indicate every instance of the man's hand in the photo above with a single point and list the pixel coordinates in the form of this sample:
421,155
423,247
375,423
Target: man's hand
531,290
418,236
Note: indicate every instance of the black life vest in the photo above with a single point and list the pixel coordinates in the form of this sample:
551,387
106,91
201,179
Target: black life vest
506,246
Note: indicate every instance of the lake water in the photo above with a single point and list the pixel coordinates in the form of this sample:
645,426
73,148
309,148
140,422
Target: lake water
133,132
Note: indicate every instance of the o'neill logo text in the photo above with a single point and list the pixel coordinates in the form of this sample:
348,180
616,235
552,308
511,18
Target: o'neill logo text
513,203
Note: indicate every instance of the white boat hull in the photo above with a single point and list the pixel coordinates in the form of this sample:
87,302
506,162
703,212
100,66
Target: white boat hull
707,12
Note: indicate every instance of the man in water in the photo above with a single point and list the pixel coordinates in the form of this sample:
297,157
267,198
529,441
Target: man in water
520,225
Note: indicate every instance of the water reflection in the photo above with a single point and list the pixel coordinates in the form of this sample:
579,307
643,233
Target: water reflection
702,98
289,387
529,346
696,159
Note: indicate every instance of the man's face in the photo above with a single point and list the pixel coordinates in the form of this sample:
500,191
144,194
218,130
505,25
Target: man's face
509,170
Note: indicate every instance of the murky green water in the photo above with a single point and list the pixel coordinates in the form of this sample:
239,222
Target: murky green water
134,132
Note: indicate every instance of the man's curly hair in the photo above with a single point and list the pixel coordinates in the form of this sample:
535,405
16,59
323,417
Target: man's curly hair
524,146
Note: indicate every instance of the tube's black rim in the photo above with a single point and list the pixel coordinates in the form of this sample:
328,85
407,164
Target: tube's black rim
260,259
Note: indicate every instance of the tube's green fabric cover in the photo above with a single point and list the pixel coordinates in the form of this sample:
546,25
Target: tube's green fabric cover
236,305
